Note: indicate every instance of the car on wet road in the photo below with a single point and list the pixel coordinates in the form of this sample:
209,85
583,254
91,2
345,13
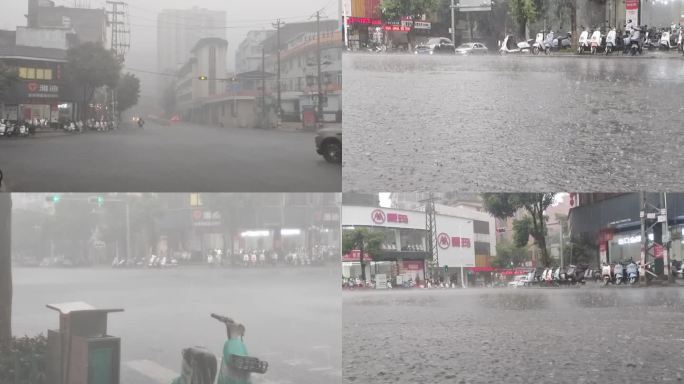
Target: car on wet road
472,49
434,46
329,144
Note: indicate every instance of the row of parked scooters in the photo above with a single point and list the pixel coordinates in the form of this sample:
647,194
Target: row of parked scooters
633,41
570,275
141,262
9,128
89,125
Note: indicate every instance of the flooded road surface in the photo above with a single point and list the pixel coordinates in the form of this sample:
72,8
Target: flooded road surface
573,335
513,123
292,316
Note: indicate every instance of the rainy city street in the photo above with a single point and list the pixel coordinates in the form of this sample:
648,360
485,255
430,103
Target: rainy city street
513,123
179,157
292,316
488,335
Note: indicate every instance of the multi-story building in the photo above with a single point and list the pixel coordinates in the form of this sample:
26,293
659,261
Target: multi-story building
607,226
179,30
89,25
299,68
248,56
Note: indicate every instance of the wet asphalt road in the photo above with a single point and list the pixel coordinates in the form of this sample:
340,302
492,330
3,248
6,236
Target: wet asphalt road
173,158
571,335
513,123
292,316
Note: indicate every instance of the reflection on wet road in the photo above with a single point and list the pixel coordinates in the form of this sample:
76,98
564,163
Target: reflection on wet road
513,123
574,335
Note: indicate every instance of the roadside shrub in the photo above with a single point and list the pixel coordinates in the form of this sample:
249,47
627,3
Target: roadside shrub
22,360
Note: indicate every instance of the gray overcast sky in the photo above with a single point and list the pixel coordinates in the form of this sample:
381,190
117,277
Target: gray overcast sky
245,15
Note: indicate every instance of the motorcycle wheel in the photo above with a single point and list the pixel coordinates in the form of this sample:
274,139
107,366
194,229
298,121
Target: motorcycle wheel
593,50
547,51
535,50
579,50
605,282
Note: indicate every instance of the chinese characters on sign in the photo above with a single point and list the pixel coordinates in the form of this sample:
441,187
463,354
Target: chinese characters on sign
36,90
397,218
444,241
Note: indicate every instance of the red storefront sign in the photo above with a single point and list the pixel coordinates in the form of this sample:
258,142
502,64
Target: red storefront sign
363,20
631,4
444,241
396,28
379,217
412,265
355,255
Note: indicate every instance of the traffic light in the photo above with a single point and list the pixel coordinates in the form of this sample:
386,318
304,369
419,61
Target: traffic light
53,198
100,200
203,77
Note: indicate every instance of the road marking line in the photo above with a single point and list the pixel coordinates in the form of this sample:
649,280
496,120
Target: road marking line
153,370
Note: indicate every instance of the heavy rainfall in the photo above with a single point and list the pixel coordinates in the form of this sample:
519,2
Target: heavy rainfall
514,95
456,287
265,265
119,96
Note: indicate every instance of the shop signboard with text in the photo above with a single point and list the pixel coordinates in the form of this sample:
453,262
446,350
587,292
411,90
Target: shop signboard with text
632,10
455,234
455,238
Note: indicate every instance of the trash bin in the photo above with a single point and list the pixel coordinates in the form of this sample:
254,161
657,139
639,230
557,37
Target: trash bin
80,351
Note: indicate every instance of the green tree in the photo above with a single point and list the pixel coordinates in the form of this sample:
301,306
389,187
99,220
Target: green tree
523,12
509,255
89,67
128,92
363,240
396,9
5,267
505,205
8,76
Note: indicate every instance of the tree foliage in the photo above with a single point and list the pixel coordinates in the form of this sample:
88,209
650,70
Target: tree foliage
369,242
90,66
509,255
128,92
396,9
8,76
5,268
523,12
505,205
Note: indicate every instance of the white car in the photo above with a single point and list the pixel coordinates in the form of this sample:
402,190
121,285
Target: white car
519,281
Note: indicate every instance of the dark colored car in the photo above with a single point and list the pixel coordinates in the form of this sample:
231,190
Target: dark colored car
471,49
329,144
434,46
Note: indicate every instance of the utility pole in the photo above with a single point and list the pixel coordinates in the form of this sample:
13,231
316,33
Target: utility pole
277,26
561,243
263,86
118,18
453,23
431,229
318,63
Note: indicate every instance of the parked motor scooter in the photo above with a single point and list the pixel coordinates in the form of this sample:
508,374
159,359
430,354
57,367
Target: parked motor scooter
632,273
539,45
606,274
611,41
510,46
618,273
595,42
236,365
583,42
